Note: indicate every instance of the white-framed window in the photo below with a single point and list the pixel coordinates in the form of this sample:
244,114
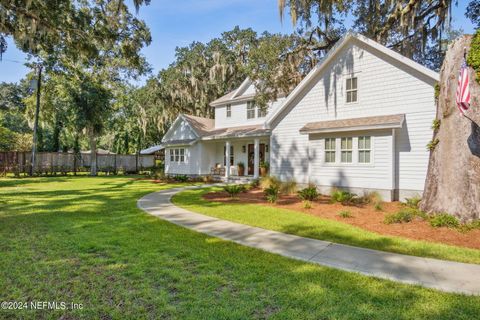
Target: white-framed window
225,156
364,149
177,155
262,111
330,146
250,109
229,110
182,155
346,150
352,89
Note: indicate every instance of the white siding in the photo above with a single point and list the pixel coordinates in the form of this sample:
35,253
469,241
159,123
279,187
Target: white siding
384,87
239,115
181,131
374,175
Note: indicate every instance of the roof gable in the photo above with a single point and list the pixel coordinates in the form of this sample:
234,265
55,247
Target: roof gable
365,43
180,130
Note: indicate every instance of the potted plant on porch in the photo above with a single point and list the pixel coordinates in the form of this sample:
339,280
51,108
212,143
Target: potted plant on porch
264,166
241,168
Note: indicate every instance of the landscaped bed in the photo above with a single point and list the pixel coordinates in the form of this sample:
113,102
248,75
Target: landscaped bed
296,220
83,240
364,216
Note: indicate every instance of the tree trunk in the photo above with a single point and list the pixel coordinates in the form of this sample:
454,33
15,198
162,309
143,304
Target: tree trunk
453,178
93,152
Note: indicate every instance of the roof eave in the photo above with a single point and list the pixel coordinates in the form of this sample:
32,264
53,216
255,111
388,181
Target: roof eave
395,125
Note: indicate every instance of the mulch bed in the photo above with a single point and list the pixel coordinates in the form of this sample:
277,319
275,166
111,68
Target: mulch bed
365,217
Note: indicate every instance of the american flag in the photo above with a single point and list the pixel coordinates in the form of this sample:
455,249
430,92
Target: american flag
463,91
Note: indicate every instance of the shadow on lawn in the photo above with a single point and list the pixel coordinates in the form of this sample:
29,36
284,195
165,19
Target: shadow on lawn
120,254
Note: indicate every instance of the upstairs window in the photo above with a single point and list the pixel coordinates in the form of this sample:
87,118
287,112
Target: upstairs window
346,150
352,94
262,112
330,150
364,149
250,110
229,110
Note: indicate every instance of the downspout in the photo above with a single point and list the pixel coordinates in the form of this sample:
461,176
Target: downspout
394,166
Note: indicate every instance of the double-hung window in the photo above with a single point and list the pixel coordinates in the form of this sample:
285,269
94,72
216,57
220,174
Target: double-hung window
346,150
250,110
177,155
262,112
352,89
229,110
364,149
330,150
182,155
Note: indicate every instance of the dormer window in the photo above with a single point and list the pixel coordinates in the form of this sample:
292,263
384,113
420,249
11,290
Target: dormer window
229,110
250,110
262,112
352,94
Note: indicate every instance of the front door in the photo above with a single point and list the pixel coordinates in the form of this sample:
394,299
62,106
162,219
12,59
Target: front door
251,156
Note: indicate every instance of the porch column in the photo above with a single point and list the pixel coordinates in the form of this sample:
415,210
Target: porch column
256,158
227,159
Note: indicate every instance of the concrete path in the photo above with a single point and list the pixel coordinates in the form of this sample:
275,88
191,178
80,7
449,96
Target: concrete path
432,273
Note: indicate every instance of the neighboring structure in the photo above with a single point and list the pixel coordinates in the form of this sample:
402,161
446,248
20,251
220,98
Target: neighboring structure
360,120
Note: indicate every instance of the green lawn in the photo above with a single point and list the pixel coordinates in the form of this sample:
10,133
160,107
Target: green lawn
301,224
83,240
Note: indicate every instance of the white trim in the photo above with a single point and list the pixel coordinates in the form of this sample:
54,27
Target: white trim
355,128
331,55
245,84
172,128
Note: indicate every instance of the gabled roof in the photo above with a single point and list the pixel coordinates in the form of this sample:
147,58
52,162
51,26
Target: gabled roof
235,95
200,125
364,123
320,67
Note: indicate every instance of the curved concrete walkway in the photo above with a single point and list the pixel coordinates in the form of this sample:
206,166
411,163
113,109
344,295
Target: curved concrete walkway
432,273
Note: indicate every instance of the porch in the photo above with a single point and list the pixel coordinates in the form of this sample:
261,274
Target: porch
227,156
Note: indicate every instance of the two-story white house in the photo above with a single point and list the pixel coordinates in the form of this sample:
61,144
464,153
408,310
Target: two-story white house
360,120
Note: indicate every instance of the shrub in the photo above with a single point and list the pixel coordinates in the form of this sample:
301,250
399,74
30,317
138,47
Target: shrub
345,214
288,187
181,178
309,193
475,224
307,204
272,193
413,202
254,183
344,197
233,189
208,179
444,220
404,215
267,182
378,206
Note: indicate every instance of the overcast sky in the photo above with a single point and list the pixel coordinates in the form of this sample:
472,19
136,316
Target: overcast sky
178,23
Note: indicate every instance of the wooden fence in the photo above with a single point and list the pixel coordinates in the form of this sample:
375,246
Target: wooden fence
58,162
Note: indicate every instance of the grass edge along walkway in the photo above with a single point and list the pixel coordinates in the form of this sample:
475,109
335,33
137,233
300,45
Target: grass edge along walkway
304,225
